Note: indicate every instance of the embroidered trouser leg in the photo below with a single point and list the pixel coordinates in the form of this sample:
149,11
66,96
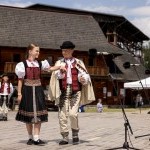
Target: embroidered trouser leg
73,110
69,104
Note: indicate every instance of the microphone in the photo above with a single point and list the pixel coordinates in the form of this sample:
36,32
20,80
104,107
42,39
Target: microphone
134,64
103,53
127,65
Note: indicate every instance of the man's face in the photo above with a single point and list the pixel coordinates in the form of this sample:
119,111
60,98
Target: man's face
67,53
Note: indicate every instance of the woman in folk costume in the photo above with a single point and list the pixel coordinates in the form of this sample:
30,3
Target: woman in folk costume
32,109
6,90
70,89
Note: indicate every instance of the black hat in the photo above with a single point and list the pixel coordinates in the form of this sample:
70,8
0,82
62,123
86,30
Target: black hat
67,45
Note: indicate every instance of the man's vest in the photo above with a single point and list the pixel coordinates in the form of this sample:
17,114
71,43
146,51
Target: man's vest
76,85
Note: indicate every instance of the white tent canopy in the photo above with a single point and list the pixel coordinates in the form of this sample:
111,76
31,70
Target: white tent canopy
138,84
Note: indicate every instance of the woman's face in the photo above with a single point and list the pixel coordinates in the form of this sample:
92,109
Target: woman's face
34,53
5,78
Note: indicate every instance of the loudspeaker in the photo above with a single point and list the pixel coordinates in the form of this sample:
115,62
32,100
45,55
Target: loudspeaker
92,52
147,71
126,65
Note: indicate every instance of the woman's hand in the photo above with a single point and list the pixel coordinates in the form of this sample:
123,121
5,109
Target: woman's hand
19,98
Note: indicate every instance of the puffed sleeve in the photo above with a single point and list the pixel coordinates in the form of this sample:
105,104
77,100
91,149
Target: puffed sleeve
45,64
20,70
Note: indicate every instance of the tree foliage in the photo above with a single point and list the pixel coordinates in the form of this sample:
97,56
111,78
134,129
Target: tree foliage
146,54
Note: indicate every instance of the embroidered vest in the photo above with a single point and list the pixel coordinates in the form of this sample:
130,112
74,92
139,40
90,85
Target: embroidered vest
76,85
2,87
32,73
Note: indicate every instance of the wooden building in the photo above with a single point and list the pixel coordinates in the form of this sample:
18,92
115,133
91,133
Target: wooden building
103,41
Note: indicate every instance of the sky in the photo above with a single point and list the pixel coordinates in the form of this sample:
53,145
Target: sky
136,11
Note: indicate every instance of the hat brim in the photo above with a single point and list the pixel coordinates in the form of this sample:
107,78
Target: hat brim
67,47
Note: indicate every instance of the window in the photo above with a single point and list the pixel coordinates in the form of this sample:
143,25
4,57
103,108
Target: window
16,58
50,60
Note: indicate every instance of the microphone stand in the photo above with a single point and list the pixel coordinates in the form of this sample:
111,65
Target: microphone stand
146,97
126,123
127,126
141,83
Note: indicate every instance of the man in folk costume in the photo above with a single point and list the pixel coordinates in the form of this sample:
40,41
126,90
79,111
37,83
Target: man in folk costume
6,89
70,89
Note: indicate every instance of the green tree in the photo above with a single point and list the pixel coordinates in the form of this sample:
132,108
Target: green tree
146,54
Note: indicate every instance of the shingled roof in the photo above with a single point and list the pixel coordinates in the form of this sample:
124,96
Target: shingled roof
123,26
19,27
130,74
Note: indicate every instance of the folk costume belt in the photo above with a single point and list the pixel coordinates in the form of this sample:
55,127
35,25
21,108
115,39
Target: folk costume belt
29,82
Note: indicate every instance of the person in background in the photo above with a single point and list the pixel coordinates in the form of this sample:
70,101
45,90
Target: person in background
70,89
6,90
138,101
99,105
81,108
31,98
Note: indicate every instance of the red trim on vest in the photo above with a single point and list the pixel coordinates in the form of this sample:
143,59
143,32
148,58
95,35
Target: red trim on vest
2,87
76,85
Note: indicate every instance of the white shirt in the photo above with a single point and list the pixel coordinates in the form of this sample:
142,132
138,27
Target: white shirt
99,107
69,75
20,68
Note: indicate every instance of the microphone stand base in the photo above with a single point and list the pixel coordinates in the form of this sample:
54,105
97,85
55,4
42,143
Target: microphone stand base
125,145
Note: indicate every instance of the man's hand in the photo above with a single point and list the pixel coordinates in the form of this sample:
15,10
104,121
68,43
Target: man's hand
62,69
82,80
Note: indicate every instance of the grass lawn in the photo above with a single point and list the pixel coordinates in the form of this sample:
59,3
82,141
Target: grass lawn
106,109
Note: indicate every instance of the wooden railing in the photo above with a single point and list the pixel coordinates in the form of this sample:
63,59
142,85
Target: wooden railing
10,68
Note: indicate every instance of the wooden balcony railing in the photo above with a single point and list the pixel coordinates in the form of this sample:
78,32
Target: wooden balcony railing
10,68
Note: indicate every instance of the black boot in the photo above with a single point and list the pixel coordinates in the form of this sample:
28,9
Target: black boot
75,138
30,142
63,142
39,142
65,139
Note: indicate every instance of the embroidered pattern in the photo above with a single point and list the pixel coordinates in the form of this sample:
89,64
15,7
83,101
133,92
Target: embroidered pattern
31,114
74,99
68,95
29,82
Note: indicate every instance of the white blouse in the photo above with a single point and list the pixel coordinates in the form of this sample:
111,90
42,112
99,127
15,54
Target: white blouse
20,68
